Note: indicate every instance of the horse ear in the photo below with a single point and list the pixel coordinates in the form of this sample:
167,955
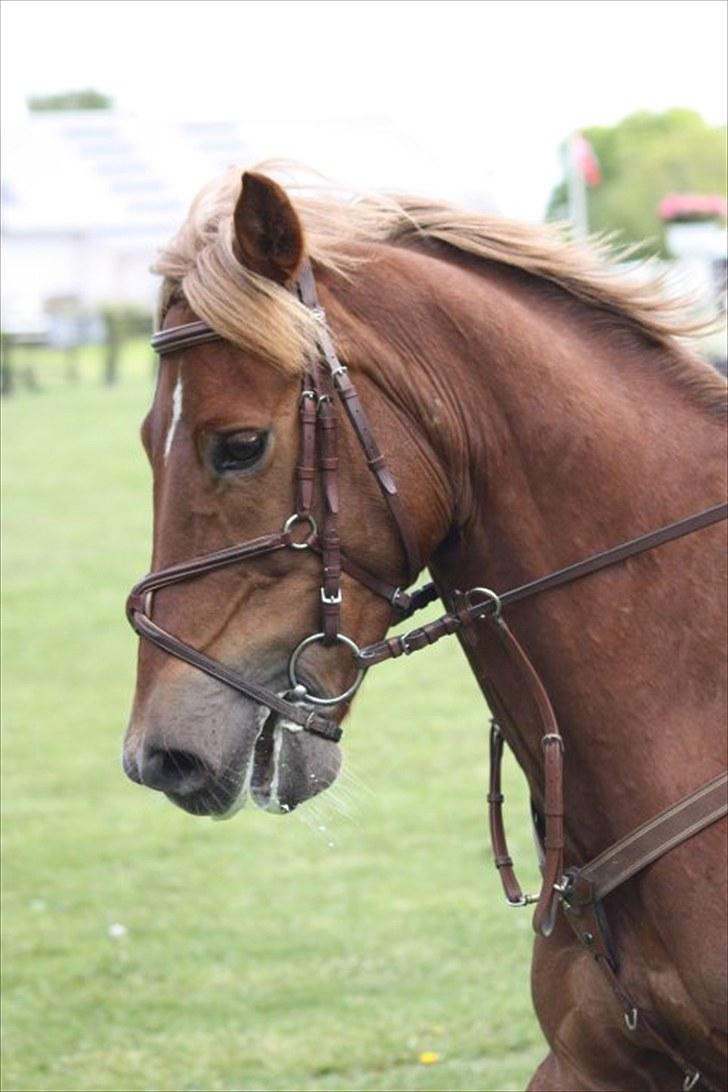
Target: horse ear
268,233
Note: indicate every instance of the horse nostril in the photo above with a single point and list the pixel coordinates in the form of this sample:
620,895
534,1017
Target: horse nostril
177,772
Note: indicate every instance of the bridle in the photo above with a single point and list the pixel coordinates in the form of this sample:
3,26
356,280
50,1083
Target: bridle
323,380
578,890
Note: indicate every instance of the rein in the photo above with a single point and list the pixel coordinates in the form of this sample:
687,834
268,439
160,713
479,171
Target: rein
578,890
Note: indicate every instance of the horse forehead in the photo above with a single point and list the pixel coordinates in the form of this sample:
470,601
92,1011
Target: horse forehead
218,379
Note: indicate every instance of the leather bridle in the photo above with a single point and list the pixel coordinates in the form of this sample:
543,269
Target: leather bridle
578,890
323,380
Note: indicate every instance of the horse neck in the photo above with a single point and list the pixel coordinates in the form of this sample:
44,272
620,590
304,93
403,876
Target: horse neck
568,443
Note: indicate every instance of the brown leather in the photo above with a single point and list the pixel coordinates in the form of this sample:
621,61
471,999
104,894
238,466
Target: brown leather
208,563
617,554
310,721
317,421
376,462
656,837
450,623
586,918
178,338
501,857
553,749
306,468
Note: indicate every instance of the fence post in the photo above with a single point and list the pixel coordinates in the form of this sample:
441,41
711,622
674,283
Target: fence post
113,345
7,375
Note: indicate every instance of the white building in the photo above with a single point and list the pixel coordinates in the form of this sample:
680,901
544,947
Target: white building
89,196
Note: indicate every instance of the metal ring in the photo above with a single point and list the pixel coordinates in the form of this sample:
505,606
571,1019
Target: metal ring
308,697
292,521
490,594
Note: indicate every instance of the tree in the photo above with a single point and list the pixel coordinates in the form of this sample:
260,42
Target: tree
70,100
643,158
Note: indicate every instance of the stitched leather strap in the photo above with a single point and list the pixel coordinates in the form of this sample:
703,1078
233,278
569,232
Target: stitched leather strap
586,917
178,338
306,286
310,721
450,623
208,563
618,554
656,837
553,749
306,466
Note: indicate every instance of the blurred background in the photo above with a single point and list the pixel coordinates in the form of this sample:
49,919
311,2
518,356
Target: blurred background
114,114
362,944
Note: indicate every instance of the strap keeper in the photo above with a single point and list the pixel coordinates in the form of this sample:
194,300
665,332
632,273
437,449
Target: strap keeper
400,600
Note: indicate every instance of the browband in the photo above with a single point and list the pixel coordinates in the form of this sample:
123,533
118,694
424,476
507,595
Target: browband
183,337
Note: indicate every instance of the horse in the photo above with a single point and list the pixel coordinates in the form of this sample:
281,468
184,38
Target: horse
512,406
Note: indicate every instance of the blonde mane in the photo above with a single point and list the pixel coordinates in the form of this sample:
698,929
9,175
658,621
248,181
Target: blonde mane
199,266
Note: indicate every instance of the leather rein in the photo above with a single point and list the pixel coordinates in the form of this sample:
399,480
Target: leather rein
578,890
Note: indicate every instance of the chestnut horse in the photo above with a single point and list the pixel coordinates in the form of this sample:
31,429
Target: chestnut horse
533,409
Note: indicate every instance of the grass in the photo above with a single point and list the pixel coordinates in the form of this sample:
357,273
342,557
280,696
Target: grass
326,950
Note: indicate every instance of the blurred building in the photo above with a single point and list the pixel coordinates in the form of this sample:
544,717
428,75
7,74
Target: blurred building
89,196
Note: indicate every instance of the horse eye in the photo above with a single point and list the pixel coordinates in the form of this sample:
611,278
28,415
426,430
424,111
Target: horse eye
239,450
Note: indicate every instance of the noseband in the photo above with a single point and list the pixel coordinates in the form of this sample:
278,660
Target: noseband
324,379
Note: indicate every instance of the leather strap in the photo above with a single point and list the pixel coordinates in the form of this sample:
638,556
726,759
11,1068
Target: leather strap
656,837
501,856
450,623
586,917
309,721
317,420
306,286
617,554
553,750
177,338
196,566
306,467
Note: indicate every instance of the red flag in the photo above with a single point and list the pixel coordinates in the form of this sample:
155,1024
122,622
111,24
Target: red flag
584,160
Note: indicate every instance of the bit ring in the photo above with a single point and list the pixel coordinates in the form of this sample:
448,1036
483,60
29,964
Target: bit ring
307,696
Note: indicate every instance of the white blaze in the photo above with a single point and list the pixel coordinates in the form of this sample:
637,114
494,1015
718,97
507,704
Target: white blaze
176,414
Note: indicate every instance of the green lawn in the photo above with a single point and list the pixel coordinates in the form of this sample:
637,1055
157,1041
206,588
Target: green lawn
326,950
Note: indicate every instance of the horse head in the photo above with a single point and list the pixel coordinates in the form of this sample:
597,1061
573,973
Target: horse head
231,438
